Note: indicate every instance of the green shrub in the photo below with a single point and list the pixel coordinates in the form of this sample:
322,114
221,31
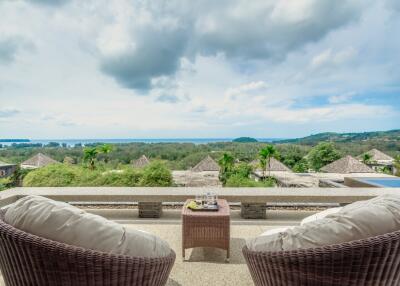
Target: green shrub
190,160
243,169
322,154
156,174
238,181
19,175
60,175
119,178
5,183
301,166
55,175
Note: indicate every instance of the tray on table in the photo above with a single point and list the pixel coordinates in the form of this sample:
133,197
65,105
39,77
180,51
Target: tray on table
209,208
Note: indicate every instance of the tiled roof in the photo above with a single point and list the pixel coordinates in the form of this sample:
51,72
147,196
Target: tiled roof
347,165
276,165
39,160
377,155
207,164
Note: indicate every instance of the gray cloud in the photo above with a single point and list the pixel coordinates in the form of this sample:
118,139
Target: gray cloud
67,123
8,50
199,109
256,31
167,98
157,53
265,32
4,113
393,4
10,46
49,2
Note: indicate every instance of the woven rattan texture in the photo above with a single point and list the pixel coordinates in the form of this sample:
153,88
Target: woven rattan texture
206,229
369,262
26,259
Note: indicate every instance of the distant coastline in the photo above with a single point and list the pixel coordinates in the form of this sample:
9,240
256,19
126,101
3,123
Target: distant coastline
72,142
14,140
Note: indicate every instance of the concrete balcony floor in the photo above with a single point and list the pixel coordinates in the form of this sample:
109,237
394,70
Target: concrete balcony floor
206,266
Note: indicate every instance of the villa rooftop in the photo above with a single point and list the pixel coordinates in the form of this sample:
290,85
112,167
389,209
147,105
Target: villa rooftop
377,156
38,161
274,166
3,164
207,164
347,165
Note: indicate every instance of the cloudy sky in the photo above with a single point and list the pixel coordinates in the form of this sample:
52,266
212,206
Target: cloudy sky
175,68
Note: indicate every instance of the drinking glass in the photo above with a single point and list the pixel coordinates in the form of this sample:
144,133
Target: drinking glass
199,199
207,199
213,198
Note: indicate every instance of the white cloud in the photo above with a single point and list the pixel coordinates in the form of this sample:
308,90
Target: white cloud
253,86
341,98
124,68
328,113
329,58
8,112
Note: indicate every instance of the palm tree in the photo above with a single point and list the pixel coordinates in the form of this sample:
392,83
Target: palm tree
89,155
396,165
265,155
366,158
105,149
226,162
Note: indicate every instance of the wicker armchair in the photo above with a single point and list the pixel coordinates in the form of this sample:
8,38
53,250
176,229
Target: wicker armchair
373,261
27,259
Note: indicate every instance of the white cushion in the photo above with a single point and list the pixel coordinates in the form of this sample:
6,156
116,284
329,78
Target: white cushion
320,215
355,221
276,230
68,224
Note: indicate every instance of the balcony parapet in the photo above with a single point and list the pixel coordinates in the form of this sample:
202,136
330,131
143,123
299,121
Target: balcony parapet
180,194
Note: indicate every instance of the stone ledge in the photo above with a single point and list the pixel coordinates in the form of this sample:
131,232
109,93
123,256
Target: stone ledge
253,211
175,194
150,209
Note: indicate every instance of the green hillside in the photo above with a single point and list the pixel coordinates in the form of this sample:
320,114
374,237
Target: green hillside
391,135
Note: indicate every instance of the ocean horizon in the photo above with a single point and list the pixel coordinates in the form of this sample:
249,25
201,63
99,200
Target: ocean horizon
72,142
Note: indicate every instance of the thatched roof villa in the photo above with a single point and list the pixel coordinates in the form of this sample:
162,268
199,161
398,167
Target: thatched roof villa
38,161
378,157
206,165
347,165
276,166
282,174
142,162
204,174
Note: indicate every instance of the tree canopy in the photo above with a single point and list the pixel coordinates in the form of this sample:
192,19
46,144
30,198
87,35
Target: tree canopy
245,140
322,154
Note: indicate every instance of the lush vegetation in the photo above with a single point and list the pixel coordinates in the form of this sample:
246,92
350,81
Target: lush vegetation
182,156
245,140
322,154
156,174
238,181
391,135
265,156
397,165
110,165
5,183
238,174
63,175
15,180
227,164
